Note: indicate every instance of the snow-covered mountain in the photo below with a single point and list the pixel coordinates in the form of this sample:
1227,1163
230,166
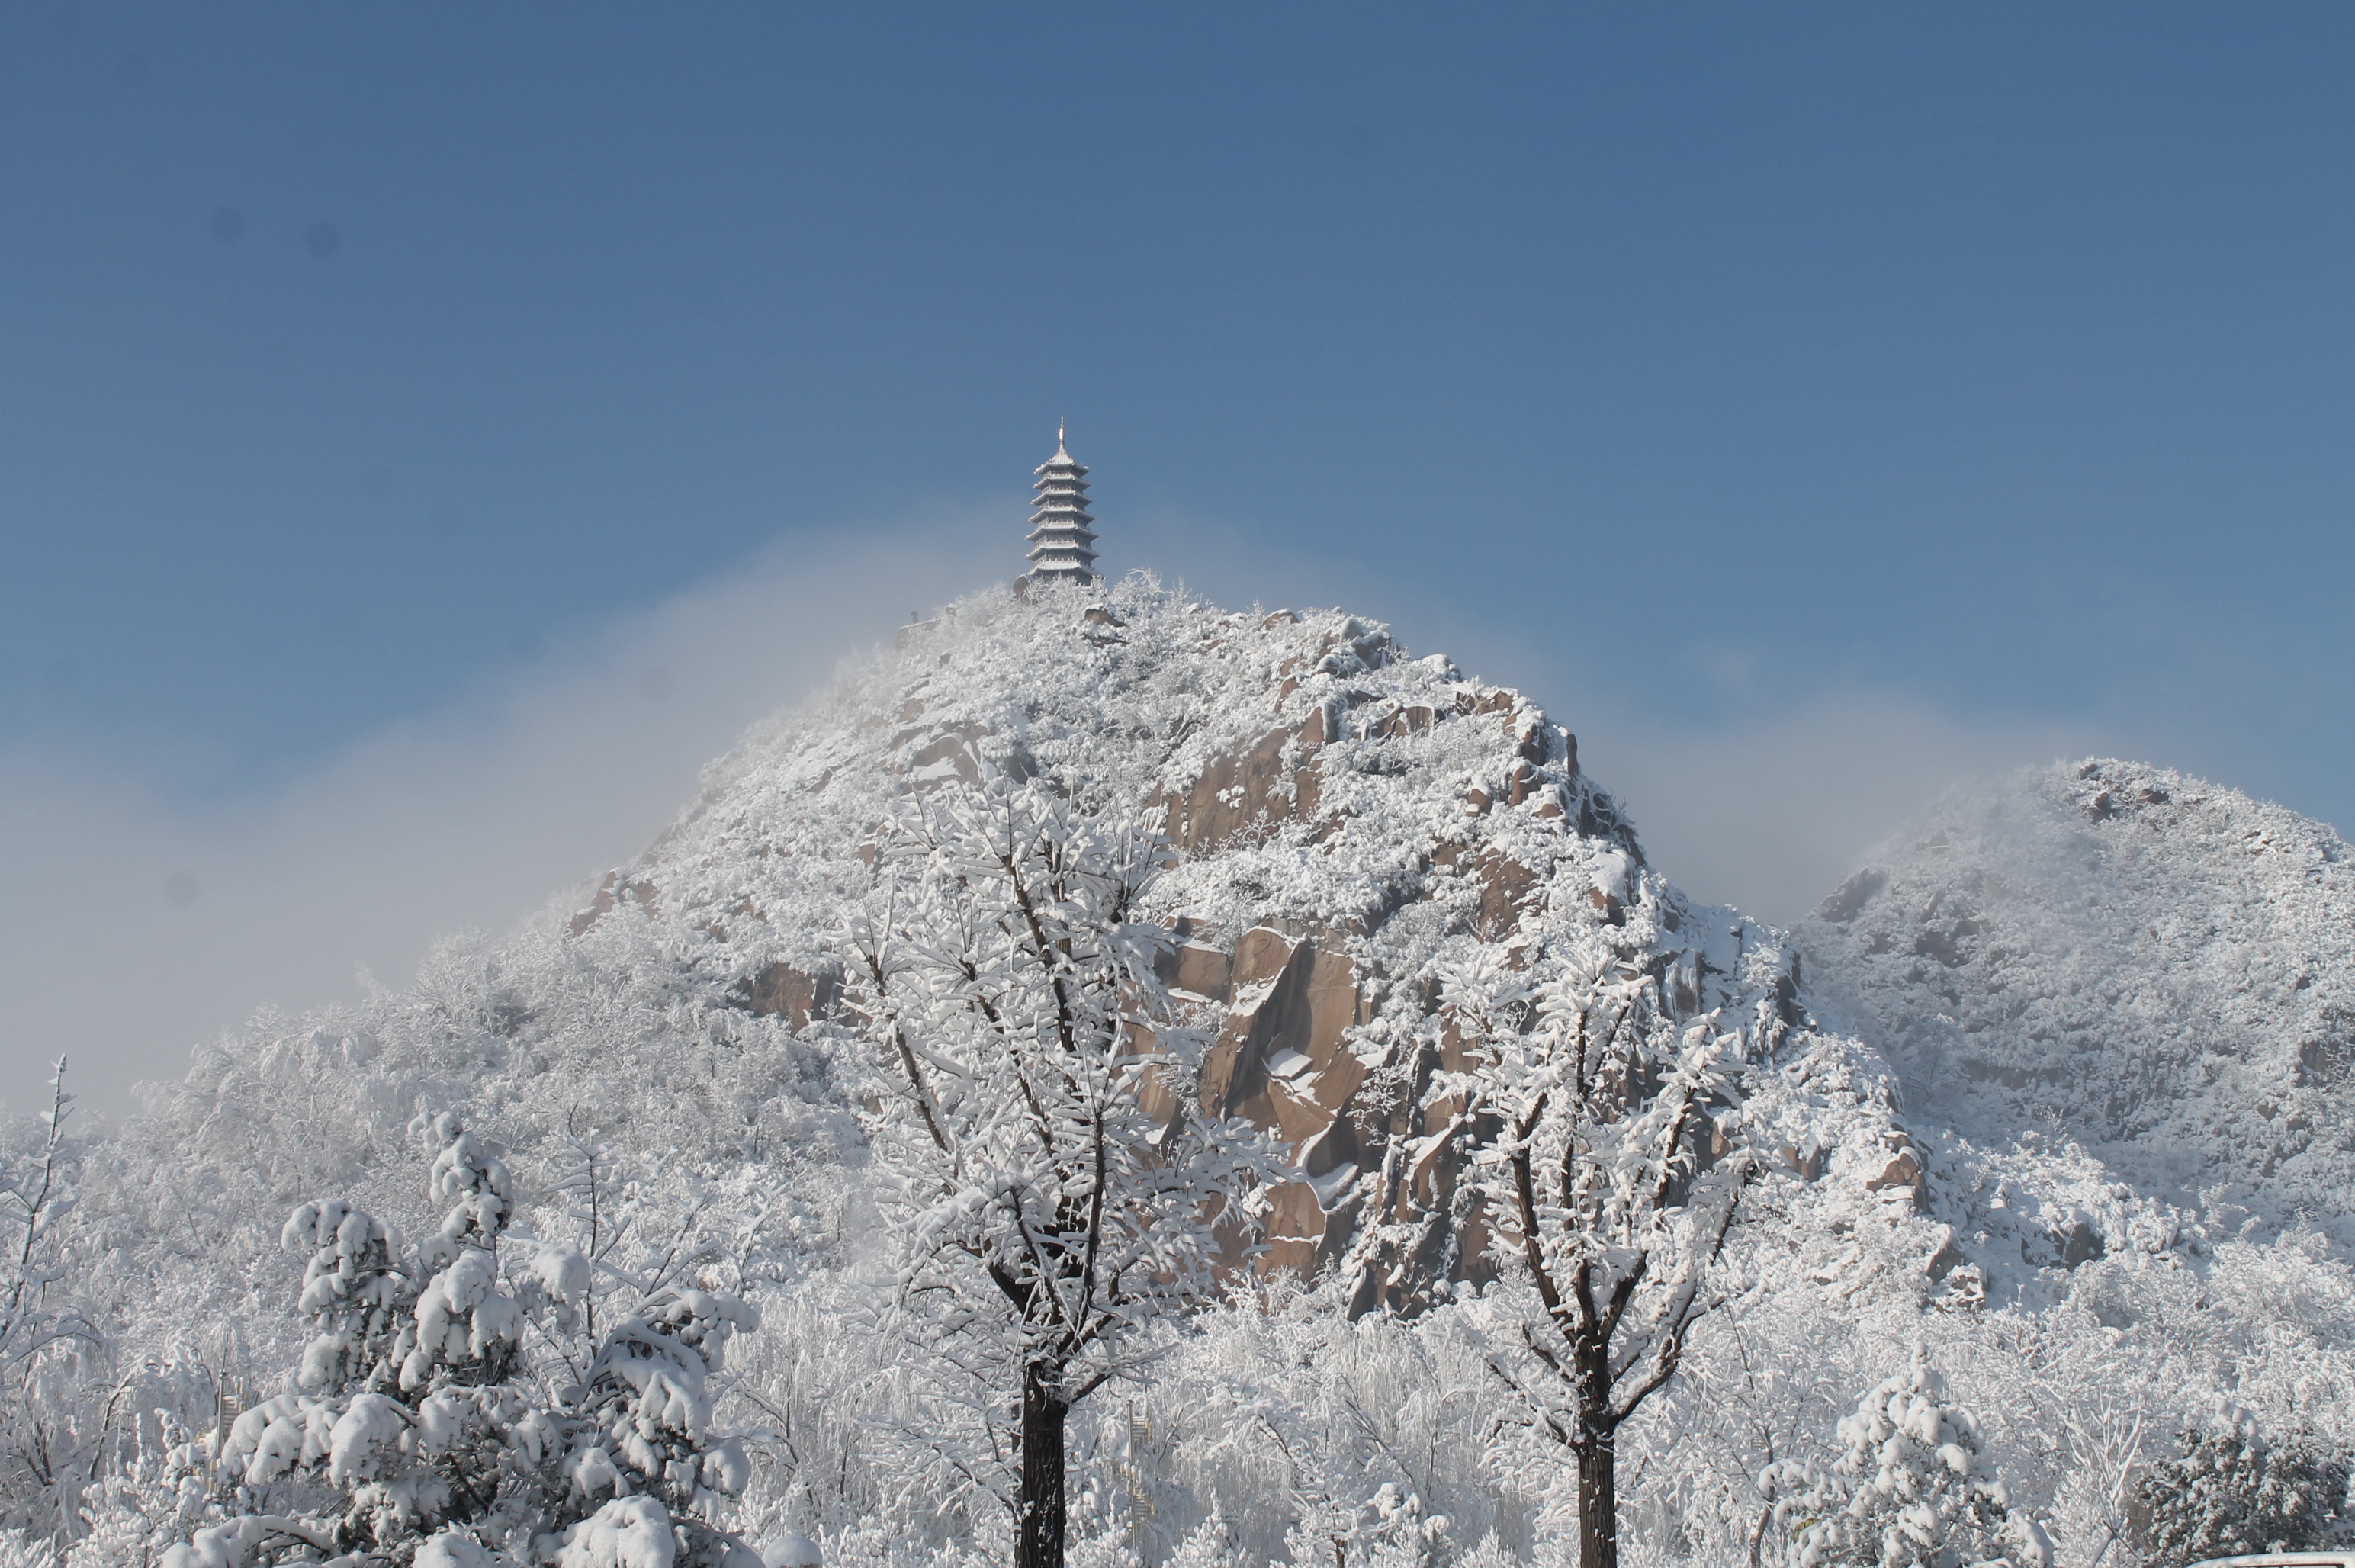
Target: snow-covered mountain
1337,810
2043,1102
2158,968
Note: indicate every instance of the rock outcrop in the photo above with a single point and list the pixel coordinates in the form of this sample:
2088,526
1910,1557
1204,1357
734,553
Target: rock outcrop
1337,811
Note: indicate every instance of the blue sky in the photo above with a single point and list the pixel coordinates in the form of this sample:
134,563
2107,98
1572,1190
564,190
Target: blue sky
1815,402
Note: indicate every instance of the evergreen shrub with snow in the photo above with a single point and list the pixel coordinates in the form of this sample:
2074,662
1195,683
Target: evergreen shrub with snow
2229,1493
426,1431
1912,1488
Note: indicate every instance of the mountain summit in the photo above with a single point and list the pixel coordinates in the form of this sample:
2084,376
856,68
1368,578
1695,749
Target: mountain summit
1339,814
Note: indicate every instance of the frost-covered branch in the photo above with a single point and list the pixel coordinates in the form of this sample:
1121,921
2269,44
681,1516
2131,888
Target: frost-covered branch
1601,1199
1050,1194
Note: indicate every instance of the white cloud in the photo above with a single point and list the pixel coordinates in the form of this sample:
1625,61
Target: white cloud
135,929
1771,813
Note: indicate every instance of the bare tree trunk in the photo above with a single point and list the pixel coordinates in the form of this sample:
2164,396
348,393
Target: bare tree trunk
1039,1538
1598,1500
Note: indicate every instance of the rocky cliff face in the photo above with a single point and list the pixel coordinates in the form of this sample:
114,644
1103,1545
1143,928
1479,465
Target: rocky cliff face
2156,968
1338,810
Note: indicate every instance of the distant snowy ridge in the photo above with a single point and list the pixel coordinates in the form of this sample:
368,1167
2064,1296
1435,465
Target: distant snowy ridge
2158,968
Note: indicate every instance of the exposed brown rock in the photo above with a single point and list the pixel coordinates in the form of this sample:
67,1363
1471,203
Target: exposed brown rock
782,990
1282,1059
1505,888
954,747
1254,790
2080,1243
1401,723
1198,970
1942,1262
1903,1174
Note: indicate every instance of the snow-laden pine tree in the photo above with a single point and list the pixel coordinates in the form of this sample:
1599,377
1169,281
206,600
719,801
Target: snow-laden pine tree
427,1435
2229,1492
1592,1102
1043,1160
1912,1488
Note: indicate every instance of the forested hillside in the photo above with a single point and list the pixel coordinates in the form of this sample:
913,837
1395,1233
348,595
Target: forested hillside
1367,933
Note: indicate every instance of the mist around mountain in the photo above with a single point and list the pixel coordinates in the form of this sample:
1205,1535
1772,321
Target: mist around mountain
2045,1103
2158,970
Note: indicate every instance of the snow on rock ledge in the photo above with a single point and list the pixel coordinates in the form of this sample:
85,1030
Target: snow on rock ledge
1338,813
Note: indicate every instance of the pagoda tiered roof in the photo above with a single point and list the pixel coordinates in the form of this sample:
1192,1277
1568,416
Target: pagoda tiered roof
1060,533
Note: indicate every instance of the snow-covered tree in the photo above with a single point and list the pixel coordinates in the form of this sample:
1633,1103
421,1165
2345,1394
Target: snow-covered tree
35,1195
1592,1100
1910,1488
1210,1544
155,1497
430,1438
1044,1161
44,1331
2229,1492
1289,1422
357,1296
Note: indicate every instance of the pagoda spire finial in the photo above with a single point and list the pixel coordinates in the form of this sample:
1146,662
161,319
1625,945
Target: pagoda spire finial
1061,534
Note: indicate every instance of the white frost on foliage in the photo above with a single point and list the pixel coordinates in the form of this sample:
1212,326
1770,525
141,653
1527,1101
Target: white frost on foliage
355,1289
628,1533
459,1548
237,1544
277,1436
648,1400
1911,1487
792,1550
562,1270
465,1324
362,1435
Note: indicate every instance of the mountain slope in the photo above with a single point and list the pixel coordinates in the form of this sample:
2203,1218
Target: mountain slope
2158,969
1342,818
1347,823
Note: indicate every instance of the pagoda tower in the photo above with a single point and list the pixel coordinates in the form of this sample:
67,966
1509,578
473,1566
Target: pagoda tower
1062,539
